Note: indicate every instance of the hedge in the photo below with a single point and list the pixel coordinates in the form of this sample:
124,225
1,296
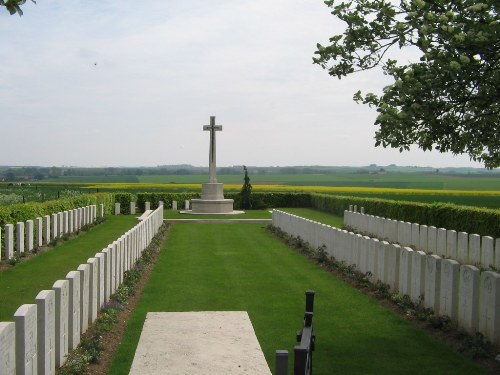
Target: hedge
20,212
260,200
482,221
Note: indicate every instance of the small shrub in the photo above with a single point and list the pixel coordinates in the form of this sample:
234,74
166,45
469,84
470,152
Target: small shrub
14,260
93,348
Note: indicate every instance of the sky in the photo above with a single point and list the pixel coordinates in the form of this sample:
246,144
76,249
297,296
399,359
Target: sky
96,83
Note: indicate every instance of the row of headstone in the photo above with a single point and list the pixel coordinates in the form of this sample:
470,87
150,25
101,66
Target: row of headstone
147,206
43,333
133,207
471,298
481,251
26,236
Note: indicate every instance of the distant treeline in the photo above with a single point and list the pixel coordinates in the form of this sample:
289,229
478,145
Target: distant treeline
27,173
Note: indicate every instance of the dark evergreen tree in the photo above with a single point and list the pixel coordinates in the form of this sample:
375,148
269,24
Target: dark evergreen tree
246,192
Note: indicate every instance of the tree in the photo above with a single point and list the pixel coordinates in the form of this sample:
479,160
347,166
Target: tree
246,191
449,99
14,6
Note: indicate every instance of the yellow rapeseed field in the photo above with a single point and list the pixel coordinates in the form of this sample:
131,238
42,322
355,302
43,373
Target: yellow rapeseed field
278,188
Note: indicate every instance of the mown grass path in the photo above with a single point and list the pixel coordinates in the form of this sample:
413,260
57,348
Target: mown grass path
21,284
209,267
316,215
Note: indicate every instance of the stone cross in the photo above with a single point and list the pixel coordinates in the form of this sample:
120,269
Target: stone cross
212,164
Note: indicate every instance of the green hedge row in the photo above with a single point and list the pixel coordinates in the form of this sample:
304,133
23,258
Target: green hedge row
260,200
13,213
482,221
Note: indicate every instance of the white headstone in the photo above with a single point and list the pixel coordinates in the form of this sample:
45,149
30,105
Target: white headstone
101,258
432,282
405,259
107,273
65,225
84,270
432,240
401,233
101,210
147,206
186,205
46,229
374,245
441,242
55,229
463,247
60,223
132,208
451,244
117,208
76,220
489,306
475,249
25,319
382,262
20,238
450,277
29,243
39,232
74,328
46,316
71,221
392,271
488,251
9,241
468,298
497,254
81,218
423,238
417,276
415,235
8,348
61,288
174,205
94,278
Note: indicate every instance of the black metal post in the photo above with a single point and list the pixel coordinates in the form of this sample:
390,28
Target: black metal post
310,300
281,362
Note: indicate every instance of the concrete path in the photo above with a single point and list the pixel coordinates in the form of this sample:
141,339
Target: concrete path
195,343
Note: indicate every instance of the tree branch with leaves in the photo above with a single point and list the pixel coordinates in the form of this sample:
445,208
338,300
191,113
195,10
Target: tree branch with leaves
449,99
14,6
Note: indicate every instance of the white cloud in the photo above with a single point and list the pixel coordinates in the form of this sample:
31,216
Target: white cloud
122,83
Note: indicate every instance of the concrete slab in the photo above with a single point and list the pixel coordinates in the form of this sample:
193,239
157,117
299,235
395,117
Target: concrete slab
191,212
205,342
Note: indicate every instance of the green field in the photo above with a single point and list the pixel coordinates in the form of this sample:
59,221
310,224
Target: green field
393,180
242,267
441,188
389,180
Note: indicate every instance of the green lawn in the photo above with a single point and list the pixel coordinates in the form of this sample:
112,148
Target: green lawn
316,215
21,284
210,267
250,214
